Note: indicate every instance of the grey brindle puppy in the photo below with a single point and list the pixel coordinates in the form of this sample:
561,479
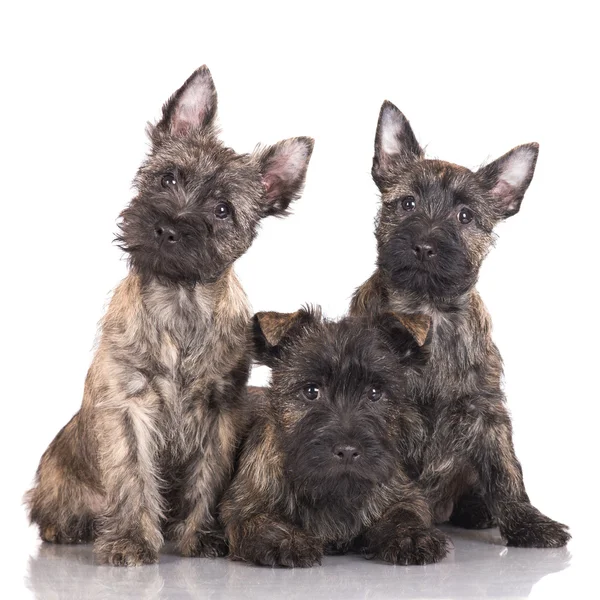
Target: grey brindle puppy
434,229
164,407
325,468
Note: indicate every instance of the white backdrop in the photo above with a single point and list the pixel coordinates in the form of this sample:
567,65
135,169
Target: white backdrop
80,82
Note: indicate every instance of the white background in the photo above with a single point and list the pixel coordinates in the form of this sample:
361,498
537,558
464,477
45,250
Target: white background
80,82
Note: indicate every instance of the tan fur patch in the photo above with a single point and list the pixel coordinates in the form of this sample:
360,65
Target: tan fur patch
275,325
418,325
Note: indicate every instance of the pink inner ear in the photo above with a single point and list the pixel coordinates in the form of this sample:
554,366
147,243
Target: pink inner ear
284,169
180,125
272,184
193,106
504,191
391,130
507,195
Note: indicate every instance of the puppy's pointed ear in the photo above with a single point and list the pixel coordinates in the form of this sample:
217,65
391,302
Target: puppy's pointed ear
508,178
395,144
408,335
193,106
283,170
272,331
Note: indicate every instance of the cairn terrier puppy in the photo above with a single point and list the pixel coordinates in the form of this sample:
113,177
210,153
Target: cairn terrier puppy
326,464
434,229
152,447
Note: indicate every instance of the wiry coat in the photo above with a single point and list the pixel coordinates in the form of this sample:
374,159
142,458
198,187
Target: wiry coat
325,467
162,413
152,448
434,230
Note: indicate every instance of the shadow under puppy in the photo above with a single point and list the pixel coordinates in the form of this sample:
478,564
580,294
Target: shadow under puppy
325,466
152,448
434,229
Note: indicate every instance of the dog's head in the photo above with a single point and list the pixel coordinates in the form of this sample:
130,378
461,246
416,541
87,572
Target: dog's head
199,203
436,220
338,396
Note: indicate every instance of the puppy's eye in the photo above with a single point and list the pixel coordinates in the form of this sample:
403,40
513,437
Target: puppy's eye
222,210
168,180
374,393
311,391
409,203
465,216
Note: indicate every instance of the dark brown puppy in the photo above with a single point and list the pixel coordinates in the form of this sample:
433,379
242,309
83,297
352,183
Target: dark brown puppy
152,448
434,230
326,462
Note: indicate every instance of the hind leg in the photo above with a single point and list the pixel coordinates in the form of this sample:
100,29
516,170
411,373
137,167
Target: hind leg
471,512
65,499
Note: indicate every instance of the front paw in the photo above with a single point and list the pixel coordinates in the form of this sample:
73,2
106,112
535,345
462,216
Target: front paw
286,550
413,547
535,530
57,535
125,553
204,545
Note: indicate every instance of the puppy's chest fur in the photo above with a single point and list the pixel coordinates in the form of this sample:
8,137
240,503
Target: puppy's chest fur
179,355
340,520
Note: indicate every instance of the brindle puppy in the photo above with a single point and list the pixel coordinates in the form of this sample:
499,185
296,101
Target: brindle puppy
325,465
164,402
434,229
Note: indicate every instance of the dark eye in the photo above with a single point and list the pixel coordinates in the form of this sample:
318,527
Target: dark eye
311,391
465,216
409,203
222,210
374,393
168,180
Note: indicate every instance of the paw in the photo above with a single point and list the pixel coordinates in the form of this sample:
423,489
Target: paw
414,547
204,545
53,535
125,553
293,550
64,535
539,532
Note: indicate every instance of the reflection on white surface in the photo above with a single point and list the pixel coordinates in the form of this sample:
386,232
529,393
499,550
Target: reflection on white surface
478,567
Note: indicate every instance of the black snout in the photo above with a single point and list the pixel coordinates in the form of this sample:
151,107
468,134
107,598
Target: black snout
425,250
346,454
166,234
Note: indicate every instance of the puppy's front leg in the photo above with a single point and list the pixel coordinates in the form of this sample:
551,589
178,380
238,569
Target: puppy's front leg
199,532
269,540
129,532
253,510
520,523
405,534
475,432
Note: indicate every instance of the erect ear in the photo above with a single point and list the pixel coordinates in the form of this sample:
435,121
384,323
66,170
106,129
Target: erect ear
272,331
192,106
395,143
283,170
408,335
508,178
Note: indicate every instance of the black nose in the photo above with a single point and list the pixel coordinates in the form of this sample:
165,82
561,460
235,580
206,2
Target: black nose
166,234
346,454
425,250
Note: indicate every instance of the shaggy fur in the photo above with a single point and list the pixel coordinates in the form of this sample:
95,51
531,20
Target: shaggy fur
326,465
434,229
164,407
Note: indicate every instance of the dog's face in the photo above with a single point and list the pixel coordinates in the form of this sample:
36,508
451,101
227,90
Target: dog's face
436,220
199,203
337,396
